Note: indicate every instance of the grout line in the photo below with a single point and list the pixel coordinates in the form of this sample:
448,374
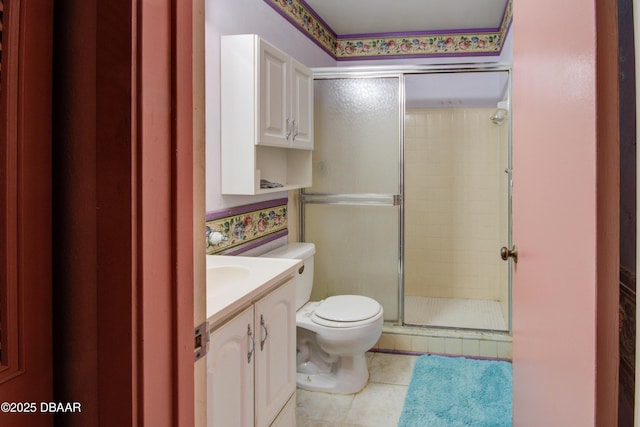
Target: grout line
421,353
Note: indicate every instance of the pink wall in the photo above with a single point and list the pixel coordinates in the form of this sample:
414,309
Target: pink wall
556,196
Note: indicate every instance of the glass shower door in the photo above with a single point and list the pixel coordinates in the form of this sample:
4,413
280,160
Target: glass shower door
457,197
352,211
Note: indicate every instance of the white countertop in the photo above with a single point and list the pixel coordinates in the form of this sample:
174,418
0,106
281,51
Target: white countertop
228,292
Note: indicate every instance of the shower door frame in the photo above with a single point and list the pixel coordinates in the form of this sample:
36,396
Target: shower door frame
363,199
391,200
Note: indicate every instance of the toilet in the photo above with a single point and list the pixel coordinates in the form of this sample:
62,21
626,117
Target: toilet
334,334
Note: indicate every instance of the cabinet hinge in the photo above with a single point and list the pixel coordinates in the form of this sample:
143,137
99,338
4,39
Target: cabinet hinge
201,341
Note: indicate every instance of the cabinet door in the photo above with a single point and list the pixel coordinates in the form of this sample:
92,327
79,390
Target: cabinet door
287,417
230,377
275,372
301,106
275,122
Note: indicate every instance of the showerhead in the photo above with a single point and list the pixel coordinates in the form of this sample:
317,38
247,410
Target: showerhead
499,116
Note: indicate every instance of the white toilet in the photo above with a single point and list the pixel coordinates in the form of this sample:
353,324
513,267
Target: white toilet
334,334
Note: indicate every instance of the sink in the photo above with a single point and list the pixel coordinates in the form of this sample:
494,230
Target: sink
234,281
221,276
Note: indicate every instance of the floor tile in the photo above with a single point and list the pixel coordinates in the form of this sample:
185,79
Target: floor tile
378,405
306,422
318,406
391,368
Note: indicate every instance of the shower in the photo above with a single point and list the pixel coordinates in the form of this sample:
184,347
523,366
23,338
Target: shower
456,200
418,221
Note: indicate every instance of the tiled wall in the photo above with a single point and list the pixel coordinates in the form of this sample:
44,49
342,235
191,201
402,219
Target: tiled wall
420,340
456,204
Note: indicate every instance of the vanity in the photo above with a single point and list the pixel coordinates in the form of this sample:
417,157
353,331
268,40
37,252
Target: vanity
251,366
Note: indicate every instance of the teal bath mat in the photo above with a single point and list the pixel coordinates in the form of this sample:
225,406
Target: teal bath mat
457,392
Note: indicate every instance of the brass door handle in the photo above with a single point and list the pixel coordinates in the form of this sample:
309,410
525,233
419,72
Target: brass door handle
506,253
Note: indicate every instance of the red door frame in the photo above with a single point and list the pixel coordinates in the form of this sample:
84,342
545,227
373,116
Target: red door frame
138,86
144,180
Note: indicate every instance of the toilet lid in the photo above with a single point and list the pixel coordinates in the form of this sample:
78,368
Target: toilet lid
347,308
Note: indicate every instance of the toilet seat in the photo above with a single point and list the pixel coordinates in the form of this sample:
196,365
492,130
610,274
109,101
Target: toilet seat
346,311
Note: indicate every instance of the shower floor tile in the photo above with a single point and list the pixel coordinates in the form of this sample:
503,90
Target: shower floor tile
454,313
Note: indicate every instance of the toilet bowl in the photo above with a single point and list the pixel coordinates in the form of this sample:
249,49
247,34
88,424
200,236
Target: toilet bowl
334,334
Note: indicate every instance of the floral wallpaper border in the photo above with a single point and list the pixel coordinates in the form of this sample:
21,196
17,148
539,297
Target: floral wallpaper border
244,224
307,20
390,46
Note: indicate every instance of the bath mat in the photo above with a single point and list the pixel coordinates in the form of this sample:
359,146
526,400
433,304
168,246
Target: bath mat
456,392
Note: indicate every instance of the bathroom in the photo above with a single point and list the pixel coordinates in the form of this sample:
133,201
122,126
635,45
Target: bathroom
424,87
125,218
269,26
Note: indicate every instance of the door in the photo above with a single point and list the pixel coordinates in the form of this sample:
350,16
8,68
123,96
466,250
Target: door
274,91
456,204
25,212
230,380
355,191
275,372
564,344
301,106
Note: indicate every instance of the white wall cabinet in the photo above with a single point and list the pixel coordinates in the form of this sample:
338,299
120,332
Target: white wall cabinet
267,117
251,367
285,100
301,106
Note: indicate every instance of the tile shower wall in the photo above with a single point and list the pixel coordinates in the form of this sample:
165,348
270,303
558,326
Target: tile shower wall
420,340
456,204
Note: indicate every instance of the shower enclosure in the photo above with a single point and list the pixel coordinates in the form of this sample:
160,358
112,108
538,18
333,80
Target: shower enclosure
410,202
352,211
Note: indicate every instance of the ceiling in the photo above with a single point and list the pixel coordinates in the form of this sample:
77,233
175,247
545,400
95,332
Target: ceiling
346,17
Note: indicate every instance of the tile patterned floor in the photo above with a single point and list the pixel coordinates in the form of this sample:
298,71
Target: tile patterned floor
379,404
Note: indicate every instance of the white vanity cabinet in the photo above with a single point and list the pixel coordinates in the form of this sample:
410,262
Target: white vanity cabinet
230,373
275,361
266,117
251,378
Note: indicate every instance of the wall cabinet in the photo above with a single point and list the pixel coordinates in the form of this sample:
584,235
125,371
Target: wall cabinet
251,366
285,100
266,117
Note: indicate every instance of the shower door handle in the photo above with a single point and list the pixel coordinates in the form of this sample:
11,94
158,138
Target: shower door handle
352,199
506,253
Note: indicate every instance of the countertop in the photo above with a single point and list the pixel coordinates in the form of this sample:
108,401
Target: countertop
263,275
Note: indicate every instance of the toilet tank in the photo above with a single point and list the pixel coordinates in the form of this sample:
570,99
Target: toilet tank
304,278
